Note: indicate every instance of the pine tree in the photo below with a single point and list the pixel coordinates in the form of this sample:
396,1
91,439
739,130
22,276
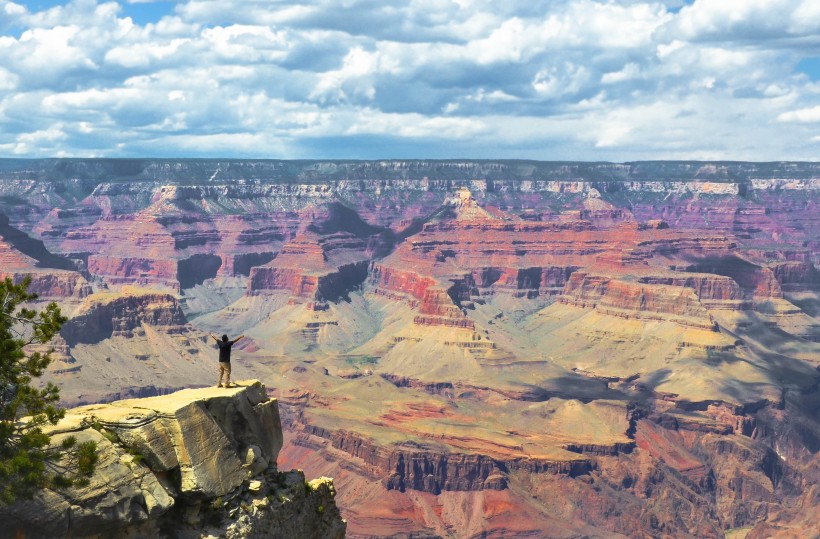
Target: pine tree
28,462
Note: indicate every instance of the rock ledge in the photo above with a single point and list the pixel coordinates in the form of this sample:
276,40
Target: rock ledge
195,463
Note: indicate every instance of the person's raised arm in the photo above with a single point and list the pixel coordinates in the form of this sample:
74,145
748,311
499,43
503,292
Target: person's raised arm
214,338
240,337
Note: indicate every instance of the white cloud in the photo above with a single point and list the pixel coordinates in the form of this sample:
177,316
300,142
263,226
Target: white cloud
630,71
13,10
749,20
354,79
92,100
594,79
143,54
47,50
8,80
807,115
245,44
374,122
557,81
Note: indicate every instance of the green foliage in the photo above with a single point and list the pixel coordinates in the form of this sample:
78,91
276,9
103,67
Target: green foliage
27,460
135,453
359,361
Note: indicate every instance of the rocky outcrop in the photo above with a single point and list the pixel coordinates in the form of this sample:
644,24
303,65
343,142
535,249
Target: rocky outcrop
191,464
629,299
289,279
434,302
408,466
47,282
795,276
326,260
314,267
322,287
405,282
713,291
52,284
107,315
135,270
759,281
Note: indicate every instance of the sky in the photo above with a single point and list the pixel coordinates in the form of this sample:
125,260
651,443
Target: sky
609,80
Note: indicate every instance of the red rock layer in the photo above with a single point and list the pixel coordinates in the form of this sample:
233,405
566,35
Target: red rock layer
11,259
428,471
314,266
627,299
52,284
794,276
46,283
134,270
713,291
434,303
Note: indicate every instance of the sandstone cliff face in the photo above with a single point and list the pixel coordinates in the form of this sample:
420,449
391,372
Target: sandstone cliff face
103,316
414,468
134,270
52,284
758,281
191,464
713,291
326,261
796,275
47,282
625,299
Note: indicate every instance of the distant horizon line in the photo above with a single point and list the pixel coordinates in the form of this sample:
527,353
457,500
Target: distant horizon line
413,159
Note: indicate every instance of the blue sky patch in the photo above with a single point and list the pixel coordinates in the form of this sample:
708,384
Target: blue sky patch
141,13
810,66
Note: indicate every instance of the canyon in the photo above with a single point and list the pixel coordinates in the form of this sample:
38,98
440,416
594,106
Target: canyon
469,348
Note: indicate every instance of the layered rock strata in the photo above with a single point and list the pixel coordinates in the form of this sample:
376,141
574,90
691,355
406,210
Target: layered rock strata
107,315
314,267
625,299
47,283
403,468
457,335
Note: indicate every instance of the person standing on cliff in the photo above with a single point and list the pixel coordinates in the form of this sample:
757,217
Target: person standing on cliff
225,358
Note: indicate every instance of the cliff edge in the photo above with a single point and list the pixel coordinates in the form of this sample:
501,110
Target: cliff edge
195,463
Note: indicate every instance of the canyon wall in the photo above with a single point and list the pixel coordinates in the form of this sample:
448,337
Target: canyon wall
471,348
